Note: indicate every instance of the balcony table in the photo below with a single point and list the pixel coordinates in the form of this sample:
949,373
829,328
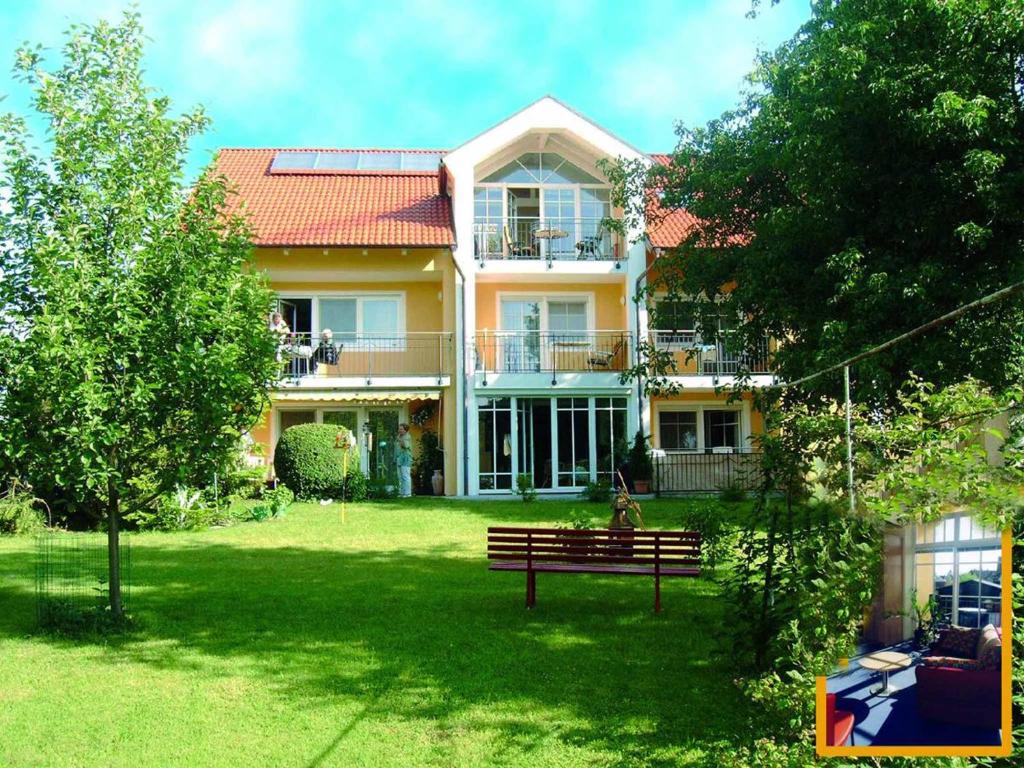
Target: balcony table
550,234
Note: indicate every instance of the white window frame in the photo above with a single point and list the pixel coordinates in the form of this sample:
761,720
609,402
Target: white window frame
359,296
578,297
591,449
956,545
699,407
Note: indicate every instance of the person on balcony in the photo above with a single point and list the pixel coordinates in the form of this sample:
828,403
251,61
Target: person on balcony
325,352
404,461
280,328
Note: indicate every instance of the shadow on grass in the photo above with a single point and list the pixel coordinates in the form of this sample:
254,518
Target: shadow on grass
428,636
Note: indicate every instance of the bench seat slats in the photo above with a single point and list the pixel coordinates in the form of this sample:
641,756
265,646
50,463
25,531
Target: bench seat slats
588,548
619,570
582,558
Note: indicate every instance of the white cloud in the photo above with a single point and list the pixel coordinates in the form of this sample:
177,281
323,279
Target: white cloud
244,48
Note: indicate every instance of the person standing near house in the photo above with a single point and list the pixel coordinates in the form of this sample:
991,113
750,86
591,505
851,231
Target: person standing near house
404,461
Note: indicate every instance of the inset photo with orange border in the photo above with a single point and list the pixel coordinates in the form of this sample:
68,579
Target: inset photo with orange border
931,674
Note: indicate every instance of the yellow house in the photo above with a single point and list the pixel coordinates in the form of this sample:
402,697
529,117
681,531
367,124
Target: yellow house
480,293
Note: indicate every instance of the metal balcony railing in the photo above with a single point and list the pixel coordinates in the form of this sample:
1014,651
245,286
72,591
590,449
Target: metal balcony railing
366,355
692,356
546,239
707,472
552,352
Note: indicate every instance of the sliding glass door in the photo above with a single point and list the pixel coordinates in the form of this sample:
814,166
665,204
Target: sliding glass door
559,442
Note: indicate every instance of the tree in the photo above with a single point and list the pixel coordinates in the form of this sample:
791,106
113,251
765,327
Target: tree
872,180
135,347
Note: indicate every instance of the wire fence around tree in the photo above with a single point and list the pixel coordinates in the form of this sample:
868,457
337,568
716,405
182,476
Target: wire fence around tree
73,578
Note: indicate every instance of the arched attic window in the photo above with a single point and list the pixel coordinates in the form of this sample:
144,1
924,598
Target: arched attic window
541,168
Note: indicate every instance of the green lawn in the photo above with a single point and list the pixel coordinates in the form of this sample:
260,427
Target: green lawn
381,642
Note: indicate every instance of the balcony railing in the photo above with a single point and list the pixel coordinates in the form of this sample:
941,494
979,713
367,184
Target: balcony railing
552,352
691,356
366,355
546,239
707,472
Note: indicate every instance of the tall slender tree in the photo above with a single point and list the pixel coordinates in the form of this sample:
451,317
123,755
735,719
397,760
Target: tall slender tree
134,348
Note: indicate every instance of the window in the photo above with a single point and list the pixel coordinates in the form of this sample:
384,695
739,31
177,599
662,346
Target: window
349,317
495,434
573,441
675,321
541,168
678,430
959,562
291,418
612,440
721,429
567,320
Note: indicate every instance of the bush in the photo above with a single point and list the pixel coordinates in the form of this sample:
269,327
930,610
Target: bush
18,513
307,462
183,510
355,486
600,491
244,482
430,457
732,493
717,535
275,503
640,465
524,487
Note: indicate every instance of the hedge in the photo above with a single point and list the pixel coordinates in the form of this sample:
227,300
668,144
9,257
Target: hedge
307,462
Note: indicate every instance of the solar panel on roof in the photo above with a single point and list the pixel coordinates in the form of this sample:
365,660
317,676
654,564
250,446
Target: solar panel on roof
291,160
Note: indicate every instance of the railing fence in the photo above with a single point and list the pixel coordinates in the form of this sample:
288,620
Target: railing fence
706,472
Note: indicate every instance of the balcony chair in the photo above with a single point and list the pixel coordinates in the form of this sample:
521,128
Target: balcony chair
589,247
517,249
604,358
838,724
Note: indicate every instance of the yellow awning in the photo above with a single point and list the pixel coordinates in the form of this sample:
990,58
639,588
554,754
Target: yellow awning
320,396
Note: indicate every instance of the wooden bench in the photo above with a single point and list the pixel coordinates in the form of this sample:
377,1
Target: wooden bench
660,554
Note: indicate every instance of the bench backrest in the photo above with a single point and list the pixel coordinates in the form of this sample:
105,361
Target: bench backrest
656,548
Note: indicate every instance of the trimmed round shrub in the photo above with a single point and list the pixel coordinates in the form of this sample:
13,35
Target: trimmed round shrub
307,462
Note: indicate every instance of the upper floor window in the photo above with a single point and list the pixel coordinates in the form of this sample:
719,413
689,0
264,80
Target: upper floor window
541,168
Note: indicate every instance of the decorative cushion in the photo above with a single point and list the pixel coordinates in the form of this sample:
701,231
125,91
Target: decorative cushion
990,648
957,641
951,661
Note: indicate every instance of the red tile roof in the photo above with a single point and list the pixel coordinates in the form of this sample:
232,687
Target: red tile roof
666,228
338,208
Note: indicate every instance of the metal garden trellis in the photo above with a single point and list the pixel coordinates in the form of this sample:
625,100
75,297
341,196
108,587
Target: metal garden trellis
992,298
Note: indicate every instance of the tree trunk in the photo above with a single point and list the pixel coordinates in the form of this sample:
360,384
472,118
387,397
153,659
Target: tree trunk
114,550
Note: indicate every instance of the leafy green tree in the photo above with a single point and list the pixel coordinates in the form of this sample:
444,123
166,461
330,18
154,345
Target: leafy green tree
135,347
871,180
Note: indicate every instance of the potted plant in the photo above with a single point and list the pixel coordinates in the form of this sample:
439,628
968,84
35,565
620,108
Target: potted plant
641,468
925,615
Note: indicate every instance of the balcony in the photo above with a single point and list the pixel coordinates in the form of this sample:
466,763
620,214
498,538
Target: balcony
689,355
552,352
545,239
356,359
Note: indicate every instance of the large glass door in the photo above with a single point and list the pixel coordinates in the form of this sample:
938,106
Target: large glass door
520,325
559,206
384,434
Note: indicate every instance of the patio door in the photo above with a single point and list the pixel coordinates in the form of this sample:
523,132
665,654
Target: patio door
384,431
559,213
520,324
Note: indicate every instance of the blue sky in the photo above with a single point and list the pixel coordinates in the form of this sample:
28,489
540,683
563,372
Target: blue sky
425,73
